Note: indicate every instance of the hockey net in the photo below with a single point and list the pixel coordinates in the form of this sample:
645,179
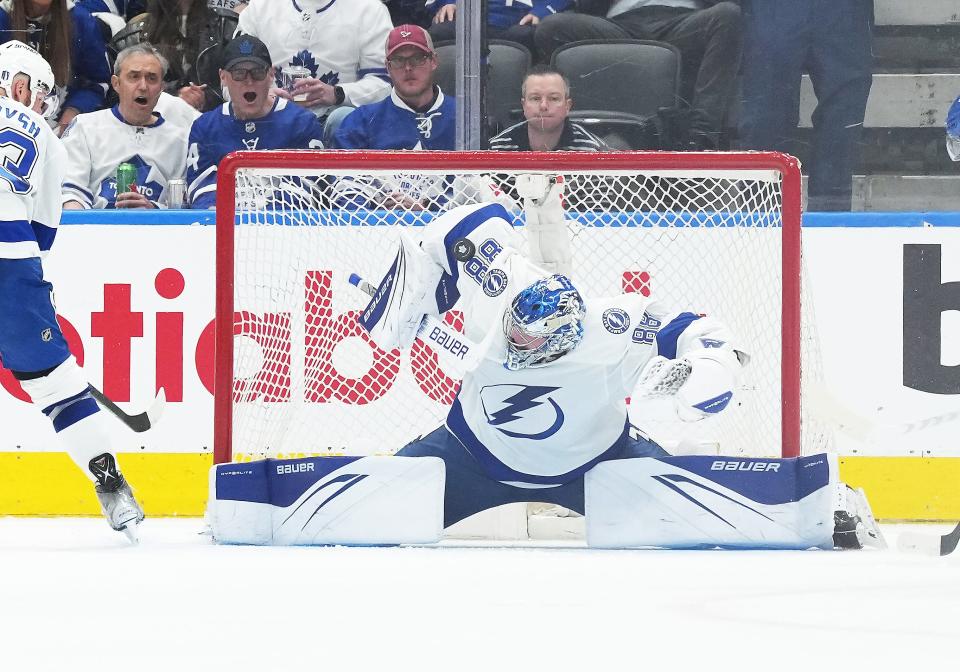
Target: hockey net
295,374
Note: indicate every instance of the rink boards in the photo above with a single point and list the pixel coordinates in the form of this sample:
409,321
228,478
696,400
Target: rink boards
136,294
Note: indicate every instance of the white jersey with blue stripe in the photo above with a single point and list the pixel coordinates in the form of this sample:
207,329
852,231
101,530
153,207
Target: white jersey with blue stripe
31,176
547,425
341,42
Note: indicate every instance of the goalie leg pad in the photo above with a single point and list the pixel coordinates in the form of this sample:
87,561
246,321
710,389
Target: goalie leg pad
353,501
699,501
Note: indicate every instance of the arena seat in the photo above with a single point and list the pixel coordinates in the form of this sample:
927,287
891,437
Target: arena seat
509,62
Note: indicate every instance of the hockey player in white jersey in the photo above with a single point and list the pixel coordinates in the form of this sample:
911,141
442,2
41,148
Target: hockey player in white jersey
32,346
546,405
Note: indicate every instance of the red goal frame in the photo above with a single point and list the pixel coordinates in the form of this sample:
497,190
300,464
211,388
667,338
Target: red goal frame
294,160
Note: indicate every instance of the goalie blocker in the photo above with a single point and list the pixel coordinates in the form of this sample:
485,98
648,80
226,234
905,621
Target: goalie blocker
667,502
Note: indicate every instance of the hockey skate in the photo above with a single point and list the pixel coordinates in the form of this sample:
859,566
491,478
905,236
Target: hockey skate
854,526
116,498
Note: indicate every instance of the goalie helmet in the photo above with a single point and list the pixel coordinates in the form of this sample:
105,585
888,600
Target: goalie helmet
545,321
18,58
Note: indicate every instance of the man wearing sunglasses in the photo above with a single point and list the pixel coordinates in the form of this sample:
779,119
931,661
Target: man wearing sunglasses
254,118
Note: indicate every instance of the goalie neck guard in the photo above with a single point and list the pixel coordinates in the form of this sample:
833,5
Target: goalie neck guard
545,321
18,58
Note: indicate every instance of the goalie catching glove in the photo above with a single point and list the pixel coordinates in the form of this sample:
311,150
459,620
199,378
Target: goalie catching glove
701,383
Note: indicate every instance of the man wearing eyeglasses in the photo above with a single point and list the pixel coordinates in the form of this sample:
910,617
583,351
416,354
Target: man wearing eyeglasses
254,118
416,115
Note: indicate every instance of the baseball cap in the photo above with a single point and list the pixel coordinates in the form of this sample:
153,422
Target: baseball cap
246,48
409,35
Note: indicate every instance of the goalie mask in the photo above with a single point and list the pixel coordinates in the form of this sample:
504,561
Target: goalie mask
17,58
545,321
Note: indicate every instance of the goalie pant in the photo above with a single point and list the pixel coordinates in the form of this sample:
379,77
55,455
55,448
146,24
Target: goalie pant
668,502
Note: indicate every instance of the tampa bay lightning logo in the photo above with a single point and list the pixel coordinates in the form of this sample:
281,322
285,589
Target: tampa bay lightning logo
148,182
522,411
616,320
495,282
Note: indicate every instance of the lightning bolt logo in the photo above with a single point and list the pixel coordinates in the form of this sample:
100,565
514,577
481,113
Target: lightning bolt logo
512,408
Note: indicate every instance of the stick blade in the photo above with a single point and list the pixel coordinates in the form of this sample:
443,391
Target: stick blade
156,408
917,542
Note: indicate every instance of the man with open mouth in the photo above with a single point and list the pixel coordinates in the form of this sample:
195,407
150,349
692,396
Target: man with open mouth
254,118
152,147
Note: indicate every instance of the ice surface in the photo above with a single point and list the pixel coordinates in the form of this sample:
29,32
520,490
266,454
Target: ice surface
74,595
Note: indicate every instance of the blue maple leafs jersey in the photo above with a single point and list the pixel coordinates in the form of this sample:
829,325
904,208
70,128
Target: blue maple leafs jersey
98,142
341,42
547,425
392,124
32,163
217,133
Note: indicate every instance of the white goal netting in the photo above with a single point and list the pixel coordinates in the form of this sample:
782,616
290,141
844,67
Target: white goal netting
307,379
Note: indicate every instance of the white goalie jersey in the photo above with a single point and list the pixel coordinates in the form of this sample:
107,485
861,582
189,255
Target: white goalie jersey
545,426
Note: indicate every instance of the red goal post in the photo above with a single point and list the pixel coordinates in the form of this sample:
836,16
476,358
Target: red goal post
278,210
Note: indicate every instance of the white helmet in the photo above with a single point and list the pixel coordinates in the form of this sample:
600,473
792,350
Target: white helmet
18,58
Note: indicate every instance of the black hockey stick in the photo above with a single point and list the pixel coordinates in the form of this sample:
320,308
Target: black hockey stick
138,422
930,544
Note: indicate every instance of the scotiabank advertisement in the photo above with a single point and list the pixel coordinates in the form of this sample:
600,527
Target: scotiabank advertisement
136,305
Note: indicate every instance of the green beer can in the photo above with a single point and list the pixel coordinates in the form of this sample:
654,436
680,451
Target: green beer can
126,177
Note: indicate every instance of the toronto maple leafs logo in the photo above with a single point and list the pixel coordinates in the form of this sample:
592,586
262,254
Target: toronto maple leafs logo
330,77
149,182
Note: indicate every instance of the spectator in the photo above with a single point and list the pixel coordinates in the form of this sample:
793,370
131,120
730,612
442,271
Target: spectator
416,115
953,130
69,38
182,30
832,40
513,20
546,102
255,119
131,132
707,33
339,44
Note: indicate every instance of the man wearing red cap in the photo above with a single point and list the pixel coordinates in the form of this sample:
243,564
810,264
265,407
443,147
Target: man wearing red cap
416,115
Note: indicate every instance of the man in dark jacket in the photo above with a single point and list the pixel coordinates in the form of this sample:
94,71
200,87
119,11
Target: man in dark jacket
707,32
